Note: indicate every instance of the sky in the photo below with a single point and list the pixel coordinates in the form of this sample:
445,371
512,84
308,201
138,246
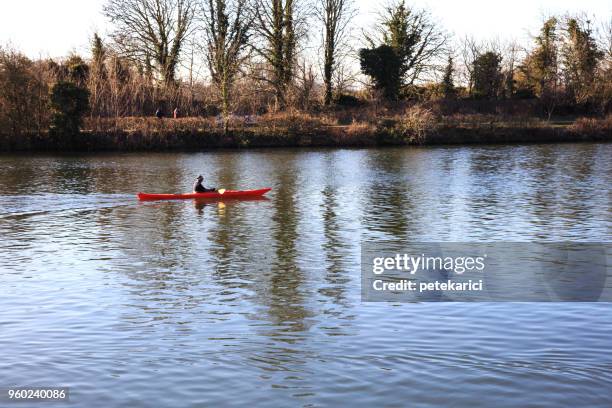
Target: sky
57,27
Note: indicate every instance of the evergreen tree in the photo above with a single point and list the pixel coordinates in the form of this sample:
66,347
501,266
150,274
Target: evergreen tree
448,83
98,74
69,103
487,75
77,69
383,65
414,37
98,51
580,56
540,68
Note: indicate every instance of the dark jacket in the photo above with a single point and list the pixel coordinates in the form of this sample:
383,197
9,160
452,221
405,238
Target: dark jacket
199,188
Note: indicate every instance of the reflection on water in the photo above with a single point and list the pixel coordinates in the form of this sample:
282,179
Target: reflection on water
258,302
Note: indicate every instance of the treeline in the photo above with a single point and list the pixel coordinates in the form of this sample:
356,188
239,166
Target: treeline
567,68
256,62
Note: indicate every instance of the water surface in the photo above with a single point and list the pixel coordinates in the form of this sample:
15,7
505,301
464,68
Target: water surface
258,302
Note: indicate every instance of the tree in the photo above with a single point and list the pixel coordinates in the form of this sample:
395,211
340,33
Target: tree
276,24
470,50
487,75
335,15
98,74
77,69
581,57
603,80
227,34
119,78
415,38
19,90
541,68
606,39
69,103
152,29
510,61
448,83
98,50
305,85
383,65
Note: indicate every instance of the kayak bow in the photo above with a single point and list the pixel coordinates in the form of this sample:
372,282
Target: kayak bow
236,194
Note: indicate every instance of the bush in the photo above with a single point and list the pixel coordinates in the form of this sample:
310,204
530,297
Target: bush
348,101
411,127
69,103
589,126
416,123
383,65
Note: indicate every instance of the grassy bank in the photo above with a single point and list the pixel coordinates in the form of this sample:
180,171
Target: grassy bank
359,128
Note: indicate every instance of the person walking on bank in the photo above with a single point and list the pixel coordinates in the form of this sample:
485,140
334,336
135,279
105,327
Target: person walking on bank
175,113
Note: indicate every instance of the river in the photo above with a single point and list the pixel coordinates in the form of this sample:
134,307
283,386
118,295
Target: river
191,304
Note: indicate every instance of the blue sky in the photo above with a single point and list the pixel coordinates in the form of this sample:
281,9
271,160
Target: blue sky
54,28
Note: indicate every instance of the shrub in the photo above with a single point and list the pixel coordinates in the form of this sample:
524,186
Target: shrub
383,65
347,100
69,103
592,125
416,123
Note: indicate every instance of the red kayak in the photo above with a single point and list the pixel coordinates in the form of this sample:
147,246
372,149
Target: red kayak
234,194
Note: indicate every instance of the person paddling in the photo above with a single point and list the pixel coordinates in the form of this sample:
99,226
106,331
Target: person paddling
199,188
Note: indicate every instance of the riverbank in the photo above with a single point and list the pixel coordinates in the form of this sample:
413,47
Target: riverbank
418,127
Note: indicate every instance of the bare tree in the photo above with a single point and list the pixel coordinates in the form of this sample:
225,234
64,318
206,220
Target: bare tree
472,49
335,15
305,84
346,78
510,61
227,26
19,93
605,71
279,25
607,37
152,29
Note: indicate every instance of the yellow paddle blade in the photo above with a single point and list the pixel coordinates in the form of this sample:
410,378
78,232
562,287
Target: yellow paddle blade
221,191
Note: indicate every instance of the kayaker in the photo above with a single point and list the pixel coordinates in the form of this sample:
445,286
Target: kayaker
199,188
159,113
